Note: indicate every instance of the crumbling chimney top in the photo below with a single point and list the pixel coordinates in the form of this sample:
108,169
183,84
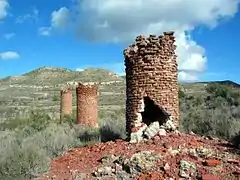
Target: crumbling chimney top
169,33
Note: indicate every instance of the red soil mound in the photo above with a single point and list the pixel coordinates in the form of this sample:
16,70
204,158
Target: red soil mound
172,156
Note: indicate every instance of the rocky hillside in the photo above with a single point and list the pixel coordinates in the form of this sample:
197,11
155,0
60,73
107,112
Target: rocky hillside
40,89
168,156
49,76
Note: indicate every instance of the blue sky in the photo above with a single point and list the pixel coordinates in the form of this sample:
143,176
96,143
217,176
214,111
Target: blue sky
93,33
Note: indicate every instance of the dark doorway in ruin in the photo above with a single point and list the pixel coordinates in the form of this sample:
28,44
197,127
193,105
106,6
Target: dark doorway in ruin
153,112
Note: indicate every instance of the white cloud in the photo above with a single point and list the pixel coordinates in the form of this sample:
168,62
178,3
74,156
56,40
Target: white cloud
9,55
33,16
114,21
190,55
79,69
44,31
125,19
3,8
9,35
187,76
60,18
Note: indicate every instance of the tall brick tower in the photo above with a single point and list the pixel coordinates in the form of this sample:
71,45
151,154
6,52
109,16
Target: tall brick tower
151,82
87,105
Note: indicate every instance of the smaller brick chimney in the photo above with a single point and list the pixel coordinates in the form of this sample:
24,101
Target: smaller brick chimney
87,105
66,102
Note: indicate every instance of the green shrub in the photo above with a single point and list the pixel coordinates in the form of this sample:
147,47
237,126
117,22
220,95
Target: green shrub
112,129
27,143
35,121
21,159
56,97
181,93
87,135
216,114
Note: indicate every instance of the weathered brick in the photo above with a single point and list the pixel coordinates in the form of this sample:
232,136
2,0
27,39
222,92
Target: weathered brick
87,105
155,72
65,102
212,162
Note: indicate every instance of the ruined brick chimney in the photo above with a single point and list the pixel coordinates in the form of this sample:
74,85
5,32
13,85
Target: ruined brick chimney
87,105
66,102
151,86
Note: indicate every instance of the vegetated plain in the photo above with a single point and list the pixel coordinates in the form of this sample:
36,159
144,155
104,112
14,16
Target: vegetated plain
31,134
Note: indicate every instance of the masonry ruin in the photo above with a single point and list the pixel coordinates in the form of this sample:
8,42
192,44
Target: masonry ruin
151,86
66,102
87,105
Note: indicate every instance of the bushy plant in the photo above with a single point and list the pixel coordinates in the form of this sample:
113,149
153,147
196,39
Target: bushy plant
56,97
215,114
28,143
21,159
35,120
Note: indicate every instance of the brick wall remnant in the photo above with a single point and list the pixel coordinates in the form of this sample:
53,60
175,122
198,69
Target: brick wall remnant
66,102
87,104
151,86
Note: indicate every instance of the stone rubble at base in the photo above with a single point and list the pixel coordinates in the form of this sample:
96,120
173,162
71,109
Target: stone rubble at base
148,132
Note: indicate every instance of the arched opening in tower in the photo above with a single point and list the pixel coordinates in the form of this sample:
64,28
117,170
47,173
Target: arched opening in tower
152,112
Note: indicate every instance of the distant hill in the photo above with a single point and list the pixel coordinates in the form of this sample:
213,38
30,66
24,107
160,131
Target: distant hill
225,82
54,76
40,88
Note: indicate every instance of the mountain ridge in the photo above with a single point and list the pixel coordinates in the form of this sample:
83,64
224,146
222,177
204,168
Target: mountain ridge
54,76
93,72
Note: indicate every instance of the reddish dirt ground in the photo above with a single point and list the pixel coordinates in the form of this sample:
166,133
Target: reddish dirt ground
218,159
